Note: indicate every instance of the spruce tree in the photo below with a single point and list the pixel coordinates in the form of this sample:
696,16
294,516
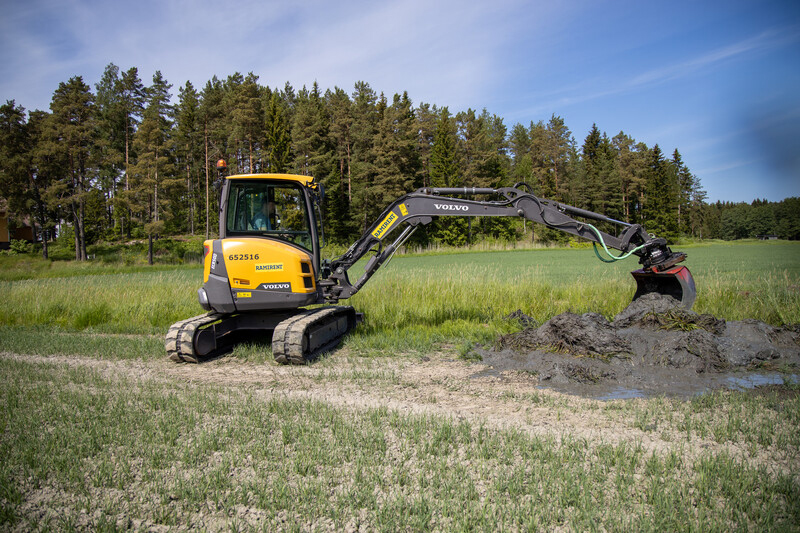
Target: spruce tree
110,143
660,197
246,116
609,202
426,116
588,190
363,132
685,185
629,170
444,167
188,145
559,149
397,162
214,146
277,135
340,192
445,173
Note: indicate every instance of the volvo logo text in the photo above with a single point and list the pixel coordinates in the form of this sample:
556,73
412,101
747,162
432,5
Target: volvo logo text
448,207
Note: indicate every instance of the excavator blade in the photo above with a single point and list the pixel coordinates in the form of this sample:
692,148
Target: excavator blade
675,281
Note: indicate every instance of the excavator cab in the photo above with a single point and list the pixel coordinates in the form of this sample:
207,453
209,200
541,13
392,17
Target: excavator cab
267,256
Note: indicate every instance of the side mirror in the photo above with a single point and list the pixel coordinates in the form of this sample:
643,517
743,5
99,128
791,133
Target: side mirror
321,193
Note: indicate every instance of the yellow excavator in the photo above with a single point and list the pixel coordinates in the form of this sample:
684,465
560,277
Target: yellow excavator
264,273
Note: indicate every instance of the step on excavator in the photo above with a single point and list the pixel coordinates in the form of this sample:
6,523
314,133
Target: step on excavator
264,273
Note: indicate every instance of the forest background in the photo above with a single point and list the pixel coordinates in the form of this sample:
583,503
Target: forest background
123,162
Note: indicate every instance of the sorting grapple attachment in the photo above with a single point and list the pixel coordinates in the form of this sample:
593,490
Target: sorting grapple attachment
676,281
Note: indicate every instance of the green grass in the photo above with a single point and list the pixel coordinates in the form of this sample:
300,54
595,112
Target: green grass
84,449
131,302
753,420
40,340
26,267
417,302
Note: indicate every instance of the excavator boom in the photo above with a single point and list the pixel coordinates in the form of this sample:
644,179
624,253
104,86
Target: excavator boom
418,208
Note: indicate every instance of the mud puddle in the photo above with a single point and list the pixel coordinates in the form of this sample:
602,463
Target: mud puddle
653,347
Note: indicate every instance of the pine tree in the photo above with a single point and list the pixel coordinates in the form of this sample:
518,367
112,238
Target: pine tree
70,139
365,149
42,172
469,139
482,145
542,177
153,175
698,210
14,156
21,182
496,165
559,149
132,100
519,143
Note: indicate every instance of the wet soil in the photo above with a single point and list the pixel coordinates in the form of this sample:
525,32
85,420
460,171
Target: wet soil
652,347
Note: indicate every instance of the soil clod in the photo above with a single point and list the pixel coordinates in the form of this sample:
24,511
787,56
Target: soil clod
653,346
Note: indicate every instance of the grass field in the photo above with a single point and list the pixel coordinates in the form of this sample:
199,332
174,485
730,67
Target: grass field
418,301
98,431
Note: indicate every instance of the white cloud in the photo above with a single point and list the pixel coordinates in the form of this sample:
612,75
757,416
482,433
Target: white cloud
599,87
450,52
763,41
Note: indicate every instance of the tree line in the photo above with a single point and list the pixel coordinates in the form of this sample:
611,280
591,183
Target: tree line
122,161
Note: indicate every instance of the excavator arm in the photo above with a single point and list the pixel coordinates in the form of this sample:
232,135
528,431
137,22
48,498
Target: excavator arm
658,272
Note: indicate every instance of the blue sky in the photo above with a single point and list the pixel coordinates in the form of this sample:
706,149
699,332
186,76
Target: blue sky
719,81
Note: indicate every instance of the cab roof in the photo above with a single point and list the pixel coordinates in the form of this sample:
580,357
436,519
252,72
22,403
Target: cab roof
308,181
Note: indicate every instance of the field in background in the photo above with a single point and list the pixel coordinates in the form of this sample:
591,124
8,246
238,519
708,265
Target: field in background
417,301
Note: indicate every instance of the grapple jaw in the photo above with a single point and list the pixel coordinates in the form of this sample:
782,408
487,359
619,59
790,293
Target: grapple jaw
675,281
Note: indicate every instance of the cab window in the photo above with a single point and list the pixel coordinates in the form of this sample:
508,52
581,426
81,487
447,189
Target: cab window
269,209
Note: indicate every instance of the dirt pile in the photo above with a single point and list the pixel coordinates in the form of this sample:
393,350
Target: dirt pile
653,346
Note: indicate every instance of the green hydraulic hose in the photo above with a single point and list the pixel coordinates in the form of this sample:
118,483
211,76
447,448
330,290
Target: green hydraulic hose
613,258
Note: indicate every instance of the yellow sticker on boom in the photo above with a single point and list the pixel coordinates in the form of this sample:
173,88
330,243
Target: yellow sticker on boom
244,294
403,209
384,226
